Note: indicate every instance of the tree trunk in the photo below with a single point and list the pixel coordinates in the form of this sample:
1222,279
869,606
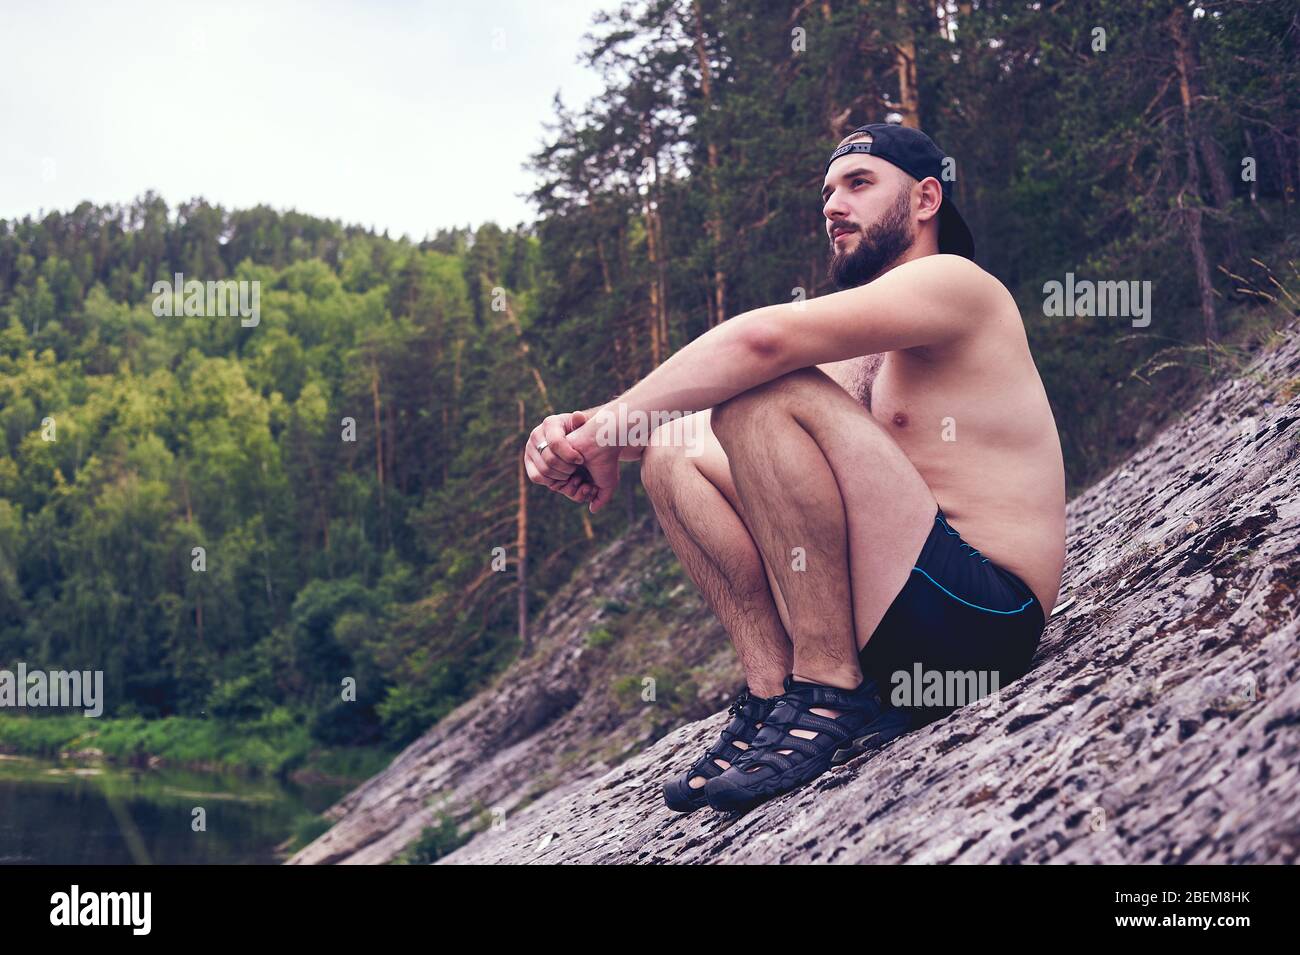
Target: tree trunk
1254,183
1189,199
661,271
525,356
521,546
1189,88
604,266
629,501
718,303
390,448
909,104
1212,156
652,253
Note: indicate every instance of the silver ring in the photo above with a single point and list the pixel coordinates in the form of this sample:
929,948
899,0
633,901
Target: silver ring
542,447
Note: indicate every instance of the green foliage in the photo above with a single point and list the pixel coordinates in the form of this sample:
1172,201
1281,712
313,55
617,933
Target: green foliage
435,842
272,744
676,692
242,698
329,559
661,587
307,831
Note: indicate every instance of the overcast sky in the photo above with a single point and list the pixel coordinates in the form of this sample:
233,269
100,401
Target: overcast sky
399,115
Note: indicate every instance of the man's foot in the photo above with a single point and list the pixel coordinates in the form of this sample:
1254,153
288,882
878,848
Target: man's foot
805,728
686,792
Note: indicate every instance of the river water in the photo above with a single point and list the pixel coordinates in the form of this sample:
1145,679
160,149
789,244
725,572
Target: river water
54,812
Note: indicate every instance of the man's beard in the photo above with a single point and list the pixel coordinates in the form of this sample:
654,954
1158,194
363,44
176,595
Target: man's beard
877,247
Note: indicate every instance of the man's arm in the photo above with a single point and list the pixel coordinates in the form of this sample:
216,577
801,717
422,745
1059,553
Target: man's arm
927,301
631,452
933,300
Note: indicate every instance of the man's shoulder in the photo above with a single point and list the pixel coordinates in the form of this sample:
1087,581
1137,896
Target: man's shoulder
951,283
958,273
955,284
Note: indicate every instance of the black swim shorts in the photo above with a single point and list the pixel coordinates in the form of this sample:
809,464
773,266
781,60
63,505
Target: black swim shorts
960,628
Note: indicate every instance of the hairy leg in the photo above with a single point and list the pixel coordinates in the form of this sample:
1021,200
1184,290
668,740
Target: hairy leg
693,497
837,510
697,506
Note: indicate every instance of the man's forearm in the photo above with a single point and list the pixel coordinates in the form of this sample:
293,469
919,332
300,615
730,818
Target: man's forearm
725,361
629,453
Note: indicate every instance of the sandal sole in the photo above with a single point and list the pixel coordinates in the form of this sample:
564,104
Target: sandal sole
788,781
688,807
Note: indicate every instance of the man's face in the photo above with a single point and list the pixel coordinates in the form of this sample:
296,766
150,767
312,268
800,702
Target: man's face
867,203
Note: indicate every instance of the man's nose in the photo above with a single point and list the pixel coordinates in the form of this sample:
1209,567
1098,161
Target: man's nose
834,217
834,208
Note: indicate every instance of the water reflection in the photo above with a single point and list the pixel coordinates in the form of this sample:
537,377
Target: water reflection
64,813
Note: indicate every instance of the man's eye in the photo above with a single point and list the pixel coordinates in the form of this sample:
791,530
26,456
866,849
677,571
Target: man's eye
856,181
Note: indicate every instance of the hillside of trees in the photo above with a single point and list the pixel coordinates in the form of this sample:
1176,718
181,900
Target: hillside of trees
407,550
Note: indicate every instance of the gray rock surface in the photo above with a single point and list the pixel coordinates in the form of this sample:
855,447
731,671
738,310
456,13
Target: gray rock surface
1158,724
562,716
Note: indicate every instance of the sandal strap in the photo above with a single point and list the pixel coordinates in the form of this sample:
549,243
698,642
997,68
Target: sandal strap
746,710
778,761
706,768
792,711
723,749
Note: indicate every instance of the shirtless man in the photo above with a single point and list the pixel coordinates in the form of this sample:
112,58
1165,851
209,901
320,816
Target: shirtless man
879,495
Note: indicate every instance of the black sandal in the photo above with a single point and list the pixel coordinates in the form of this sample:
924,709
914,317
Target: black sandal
746,711
891,724
762,771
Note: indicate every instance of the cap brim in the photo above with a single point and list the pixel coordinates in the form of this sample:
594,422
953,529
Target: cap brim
954,234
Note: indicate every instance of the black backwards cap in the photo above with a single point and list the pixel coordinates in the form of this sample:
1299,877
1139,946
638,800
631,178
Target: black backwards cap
916,154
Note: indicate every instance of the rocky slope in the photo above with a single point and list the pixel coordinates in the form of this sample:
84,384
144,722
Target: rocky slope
1159,723
563,716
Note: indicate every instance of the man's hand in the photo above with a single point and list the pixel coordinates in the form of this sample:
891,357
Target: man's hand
557,466
573,463
600,462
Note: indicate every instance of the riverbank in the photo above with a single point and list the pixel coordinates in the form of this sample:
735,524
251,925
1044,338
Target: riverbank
278,745
95,812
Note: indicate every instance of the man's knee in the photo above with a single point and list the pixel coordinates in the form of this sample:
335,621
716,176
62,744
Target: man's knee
766,397
735,410
660,464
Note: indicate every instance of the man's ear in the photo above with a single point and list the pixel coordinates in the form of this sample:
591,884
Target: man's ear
929,196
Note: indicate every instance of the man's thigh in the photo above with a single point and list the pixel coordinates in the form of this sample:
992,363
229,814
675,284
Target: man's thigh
889,509
693,434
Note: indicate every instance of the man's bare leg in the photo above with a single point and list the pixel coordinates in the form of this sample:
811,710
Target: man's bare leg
690,495
695,501
816,472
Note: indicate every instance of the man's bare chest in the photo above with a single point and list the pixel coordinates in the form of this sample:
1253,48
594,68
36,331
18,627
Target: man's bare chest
865,373
856,376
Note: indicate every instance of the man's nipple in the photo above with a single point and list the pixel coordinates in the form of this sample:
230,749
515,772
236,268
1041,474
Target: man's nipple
900,419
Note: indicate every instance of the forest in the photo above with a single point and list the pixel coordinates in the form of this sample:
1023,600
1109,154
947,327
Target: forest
350,465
